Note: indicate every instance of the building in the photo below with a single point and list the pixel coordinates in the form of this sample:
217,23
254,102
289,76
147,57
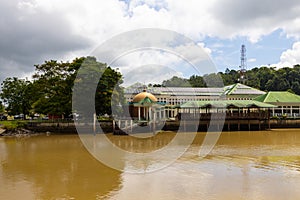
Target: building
238,104
172,96
145,107
241,92
287,104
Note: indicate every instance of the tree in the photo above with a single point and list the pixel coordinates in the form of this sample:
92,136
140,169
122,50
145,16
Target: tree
2,108
108,92
16,93
213,80
176,81
53,82
197,81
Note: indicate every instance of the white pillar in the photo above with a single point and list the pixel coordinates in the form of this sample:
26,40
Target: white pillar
150,113
94,122
139,111
147,113
126,128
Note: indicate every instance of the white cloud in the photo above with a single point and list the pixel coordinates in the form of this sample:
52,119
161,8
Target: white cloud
150,73
55,29
162,64
250,60
290,57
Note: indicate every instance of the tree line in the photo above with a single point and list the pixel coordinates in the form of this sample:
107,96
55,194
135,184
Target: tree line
263,78
50,90
51,87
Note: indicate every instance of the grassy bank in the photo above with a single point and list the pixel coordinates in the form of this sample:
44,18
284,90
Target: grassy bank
14,124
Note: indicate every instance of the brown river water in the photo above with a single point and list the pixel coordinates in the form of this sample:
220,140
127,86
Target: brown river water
242,165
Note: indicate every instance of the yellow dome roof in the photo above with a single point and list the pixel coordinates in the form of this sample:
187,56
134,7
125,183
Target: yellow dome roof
142,96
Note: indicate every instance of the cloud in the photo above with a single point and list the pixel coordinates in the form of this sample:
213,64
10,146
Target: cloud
29,34
162,64
154,74
256,18
32,31
290,57
250,60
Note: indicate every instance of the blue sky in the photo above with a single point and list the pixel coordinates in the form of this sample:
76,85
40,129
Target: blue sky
33,31
267,51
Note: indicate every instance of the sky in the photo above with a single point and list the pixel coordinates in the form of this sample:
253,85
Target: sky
33,31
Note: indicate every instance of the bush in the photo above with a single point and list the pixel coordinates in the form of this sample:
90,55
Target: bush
12,125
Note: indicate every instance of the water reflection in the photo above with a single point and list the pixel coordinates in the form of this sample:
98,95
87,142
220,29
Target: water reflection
52,168
242,165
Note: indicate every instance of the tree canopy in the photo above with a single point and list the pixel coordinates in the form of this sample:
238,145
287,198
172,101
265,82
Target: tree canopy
263,78
16,93
50,91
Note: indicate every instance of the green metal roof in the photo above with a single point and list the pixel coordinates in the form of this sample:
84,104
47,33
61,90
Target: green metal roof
240,89
226,103
146,100
279,97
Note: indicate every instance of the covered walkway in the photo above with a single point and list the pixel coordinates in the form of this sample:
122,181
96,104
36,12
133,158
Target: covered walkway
226,112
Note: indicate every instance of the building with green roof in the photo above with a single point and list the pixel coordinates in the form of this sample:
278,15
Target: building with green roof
172,96
239,91
288,104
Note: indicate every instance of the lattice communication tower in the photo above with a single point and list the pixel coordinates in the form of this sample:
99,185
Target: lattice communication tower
243,66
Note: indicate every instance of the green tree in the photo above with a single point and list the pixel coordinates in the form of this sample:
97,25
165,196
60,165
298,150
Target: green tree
16,93
176,81
2,108
213,80
264,74
108,93
197,81
53,82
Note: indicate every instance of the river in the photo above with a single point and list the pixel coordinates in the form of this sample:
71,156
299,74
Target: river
242,165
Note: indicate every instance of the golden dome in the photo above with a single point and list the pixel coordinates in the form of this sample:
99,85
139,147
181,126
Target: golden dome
142,96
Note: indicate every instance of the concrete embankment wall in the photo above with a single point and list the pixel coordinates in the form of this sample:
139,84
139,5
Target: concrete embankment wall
107,126
66,127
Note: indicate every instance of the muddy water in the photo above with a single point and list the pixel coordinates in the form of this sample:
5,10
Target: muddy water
242,165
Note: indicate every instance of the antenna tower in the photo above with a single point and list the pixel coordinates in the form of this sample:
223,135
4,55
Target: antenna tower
243,65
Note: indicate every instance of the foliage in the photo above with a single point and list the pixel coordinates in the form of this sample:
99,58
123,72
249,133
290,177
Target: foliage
263,78
2,108
51,90
17,94
176,82
12,125
53,82
197,81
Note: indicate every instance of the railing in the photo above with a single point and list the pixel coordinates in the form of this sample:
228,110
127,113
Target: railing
285,115
208,116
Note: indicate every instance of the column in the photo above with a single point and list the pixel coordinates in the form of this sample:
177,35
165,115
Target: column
150,113
139,111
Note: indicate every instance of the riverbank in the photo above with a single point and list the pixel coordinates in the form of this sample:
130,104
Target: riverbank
26,128
18,132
